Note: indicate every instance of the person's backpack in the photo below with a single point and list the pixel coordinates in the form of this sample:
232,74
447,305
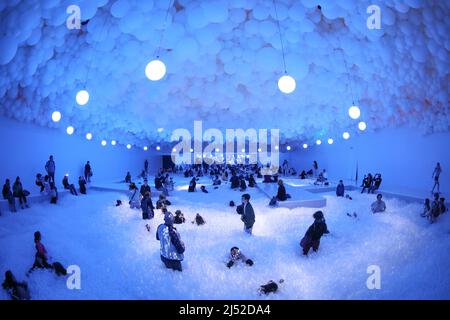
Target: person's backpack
240,209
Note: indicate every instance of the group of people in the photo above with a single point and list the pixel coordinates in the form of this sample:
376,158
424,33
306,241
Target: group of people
16,192
371,183
432,210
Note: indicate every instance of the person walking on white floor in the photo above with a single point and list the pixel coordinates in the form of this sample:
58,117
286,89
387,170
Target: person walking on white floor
437,171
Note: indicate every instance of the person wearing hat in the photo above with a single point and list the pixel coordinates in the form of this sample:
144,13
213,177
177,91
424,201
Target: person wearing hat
172,248
314,233
145,188
247,213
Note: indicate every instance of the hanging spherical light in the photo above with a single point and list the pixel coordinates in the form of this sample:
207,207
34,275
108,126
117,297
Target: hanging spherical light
158,148
288,148
286,84
128,146
362,126
354,112
145,148
104,142
113,142
70,130
330,141
56,116
346,135
89,136
155,70
82,97
305,146
318,142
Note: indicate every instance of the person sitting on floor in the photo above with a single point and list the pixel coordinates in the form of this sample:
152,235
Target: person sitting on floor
435,208
443,208
53,193
128,177
379,205
203,189
367,183
82,184
199,220
19,192
242,184
251,181
314,233
162,202
133,197
192,185
281,194
236,255
234,181
340,189
40,182
69,186
217,181
426,209
303,175
16,290
375,183
179,217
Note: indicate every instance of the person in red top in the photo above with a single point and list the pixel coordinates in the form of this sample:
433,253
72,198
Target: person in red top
41,257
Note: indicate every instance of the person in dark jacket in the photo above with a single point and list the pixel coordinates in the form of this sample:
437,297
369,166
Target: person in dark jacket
69,186
128,177
251,181
40,182
82,184
376,183
314,233
53,193
281,194
234,181
435,208
8,195
162,202
242,184
145,187
172,248
367,183
147,206
236,255
87,172
192,185
50,167
146,166
18,192
16,290
303,175
248,215
179,217
340,189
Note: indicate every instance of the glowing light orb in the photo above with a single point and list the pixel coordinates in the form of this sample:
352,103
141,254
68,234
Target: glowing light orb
191,150
286,84
160,129
70,130
346,135
354,112
318,142
155,70
362,126
158,148
305,146
276,147
288,148
174,150
330,141
89,136
82,97
145,148
103,142
128,146
56,116
259,149
113,142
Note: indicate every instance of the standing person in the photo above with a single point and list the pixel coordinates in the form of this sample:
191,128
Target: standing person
248,215
134,197
87,172
18,192
146,166
8,195
315,168
340,189
172,248
147,206
435,208
314,233
285,167
437,171
50,167
145,188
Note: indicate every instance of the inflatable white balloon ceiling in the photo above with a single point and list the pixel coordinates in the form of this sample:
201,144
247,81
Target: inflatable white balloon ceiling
223,60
